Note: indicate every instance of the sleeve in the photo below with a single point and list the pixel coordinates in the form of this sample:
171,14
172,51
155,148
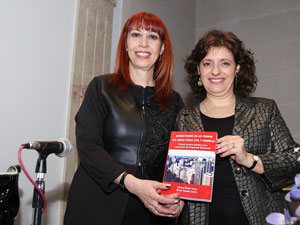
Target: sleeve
283,163
94,158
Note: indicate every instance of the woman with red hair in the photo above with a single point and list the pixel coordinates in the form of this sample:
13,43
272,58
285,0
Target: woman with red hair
122,131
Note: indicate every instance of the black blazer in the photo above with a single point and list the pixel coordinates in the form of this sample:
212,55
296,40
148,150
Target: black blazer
265,133
116,132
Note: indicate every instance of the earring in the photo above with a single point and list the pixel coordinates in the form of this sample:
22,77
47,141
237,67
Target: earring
200,81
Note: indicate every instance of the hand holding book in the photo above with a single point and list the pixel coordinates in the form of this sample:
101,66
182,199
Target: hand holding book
190,164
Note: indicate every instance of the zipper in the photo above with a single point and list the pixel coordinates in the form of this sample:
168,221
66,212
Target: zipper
141,144
142,113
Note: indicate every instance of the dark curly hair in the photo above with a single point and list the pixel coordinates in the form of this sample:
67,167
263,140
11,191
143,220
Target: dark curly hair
246,78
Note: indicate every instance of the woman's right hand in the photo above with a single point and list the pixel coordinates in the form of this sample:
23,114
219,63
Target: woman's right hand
148,192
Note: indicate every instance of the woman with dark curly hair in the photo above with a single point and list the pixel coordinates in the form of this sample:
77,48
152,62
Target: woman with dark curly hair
256,154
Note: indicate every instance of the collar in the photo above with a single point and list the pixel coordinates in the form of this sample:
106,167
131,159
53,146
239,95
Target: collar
244,113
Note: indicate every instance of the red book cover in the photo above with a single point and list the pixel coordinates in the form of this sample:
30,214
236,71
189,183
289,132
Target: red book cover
190,165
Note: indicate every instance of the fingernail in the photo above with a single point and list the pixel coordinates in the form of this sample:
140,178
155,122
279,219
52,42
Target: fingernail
168,185
216,151
173,213
176,201
221,155
170,215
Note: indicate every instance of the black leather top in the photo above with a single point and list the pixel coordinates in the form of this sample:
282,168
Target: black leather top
116,132
135,130
120,131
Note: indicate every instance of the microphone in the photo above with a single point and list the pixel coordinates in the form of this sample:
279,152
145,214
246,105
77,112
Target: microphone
61,147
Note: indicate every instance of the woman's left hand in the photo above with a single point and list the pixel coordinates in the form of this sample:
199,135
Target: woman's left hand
176,207
233,146
148,191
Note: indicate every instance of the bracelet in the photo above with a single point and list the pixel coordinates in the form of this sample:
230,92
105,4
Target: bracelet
121,183
254,163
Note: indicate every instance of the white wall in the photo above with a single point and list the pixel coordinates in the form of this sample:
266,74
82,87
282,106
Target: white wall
179,18
36,44
270,28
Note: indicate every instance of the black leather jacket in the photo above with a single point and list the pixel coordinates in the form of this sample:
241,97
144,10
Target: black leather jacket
133,130
115,133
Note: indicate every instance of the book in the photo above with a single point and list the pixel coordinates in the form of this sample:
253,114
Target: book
190,165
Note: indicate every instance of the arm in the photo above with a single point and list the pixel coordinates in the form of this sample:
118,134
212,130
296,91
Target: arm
277,162
94,158
281,165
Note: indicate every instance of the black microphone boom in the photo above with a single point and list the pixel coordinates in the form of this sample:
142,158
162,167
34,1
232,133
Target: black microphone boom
61,147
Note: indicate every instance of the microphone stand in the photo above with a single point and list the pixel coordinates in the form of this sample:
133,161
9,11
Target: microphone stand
37,202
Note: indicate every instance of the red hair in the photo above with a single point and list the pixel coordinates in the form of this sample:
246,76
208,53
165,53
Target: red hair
163,70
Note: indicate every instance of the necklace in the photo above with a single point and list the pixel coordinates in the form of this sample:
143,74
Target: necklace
224,113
